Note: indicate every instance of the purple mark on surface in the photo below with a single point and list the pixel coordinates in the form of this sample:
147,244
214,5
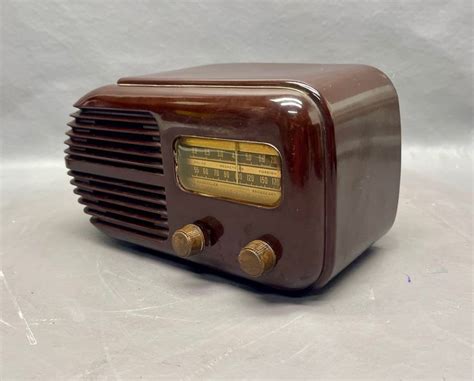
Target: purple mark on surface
408,278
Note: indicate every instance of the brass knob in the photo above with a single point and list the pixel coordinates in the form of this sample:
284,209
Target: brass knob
256,258
188,240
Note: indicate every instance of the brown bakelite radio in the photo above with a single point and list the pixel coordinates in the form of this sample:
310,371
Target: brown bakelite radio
279,173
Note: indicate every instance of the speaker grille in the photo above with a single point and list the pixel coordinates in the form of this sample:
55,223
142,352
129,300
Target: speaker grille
120,138
135,207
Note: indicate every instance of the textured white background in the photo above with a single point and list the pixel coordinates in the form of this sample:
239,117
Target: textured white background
76,305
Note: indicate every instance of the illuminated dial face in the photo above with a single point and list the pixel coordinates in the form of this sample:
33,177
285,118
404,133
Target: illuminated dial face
241,171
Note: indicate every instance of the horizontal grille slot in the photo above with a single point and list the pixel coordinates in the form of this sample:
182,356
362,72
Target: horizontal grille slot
115,112
119,191
115,199
108,116
117,138
110,217
114,127
127,212
133,148
107,180
139,234
113,148
116,158
106,162
136,207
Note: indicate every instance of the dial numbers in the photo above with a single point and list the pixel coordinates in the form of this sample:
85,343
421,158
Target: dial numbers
241,171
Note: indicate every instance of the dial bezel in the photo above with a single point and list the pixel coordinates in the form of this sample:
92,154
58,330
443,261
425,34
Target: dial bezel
247,199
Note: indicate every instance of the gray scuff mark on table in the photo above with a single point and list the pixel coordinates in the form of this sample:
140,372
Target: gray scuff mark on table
106,350
133,310
299,352
29,333
272,332
114,293
6,324
210,364
155,317
371,294
45,321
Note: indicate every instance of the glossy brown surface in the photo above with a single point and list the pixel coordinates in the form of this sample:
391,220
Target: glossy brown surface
336,127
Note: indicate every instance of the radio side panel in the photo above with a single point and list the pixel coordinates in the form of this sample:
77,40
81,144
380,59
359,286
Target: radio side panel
366,119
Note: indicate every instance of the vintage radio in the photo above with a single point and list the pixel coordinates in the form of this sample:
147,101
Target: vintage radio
279,173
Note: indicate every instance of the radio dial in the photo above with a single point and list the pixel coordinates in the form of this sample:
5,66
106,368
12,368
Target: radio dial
187,241
256,258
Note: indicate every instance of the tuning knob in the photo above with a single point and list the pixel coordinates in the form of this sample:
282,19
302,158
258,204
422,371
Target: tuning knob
256,258
188,240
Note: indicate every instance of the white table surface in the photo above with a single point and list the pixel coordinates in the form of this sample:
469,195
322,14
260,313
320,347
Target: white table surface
76,304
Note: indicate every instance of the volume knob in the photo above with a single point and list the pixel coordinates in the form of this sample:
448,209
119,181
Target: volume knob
256,258
188,240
